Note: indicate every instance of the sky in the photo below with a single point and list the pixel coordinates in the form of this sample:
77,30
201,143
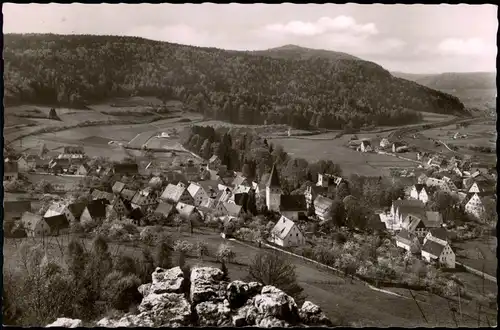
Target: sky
406,38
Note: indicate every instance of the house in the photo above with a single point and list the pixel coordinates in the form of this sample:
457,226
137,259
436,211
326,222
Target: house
26,163
384,143
54,210
103,171
259,188
419,192
240,180
322,207
439,235
365,146
442,254
239,199
118,187
192,173
400,208
58,224
177,193
286,233
475,203
59,165
94,211
198,193
223,196
128,194
399,147
83,169
102,195
156,182
72,152
293,206
42,163
273,191
34,225
480,187
74,211
229,209
14,210
214,162
127,169
120,207
144,199
164,209
175,177
421,223
10,171
312,192
185,210
210,187
437,161
327,180
408,241
438,183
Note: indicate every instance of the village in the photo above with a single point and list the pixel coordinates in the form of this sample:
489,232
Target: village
196,192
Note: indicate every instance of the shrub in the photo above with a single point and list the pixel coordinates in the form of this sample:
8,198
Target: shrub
183,246
120,291
201,249
224,253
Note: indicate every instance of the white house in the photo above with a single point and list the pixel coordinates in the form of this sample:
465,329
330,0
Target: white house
185,210
479,187
322,207
198,193
475,205
433,251
419,192
365,146
177,193
286,233
401,208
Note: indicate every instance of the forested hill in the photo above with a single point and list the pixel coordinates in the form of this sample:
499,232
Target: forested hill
302,53
227,85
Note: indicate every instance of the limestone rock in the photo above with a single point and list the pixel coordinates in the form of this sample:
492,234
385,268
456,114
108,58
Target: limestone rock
272,322
206,285
274,302
213,314
129,320
167,307
167,280
311,314
144,289
66,323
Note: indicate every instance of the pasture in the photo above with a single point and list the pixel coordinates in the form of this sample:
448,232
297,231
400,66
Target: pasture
350,161
479,254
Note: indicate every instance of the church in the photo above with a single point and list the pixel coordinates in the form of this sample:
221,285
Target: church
291,206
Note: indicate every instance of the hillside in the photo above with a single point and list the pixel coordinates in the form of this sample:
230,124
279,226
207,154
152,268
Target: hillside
226,85
475,89
301,53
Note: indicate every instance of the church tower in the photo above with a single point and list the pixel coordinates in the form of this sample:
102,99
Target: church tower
273,191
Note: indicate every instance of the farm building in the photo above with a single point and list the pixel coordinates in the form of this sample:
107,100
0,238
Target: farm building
438,183
118,186
322,207
286,233
72,153
102,195
408,241
399,147
365,146
164,209
10,171
177,193
384,143
144,199
26,163
420,223
442,254
439,235
83,169
59,165
293,206
128,194
128,169
74,211
273,191
34,225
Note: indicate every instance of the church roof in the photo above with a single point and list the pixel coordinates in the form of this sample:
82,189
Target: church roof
274,180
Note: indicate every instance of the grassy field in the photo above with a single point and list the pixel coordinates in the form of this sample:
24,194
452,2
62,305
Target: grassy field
339,298
479,254
351,161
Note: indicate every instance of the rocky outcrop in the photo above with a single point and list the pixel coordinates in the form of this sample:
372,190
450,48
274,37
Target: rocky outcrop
66,323
212,302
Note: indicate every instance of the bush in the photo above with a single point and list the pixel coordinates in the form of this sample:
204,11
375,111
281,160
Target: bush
224,253
120,291
183,246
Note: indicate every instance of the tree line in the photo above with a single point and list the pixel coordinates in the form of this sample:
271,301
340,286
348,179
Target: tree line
238,87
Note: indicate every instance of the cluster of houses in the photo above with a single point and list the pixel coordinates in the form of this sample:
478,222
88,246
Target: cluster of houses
366,145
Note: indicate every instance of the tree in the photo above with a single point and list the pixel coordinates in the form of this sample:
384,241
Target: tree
147,265
275,269
181,261
206,149
225,272
224,253
337,213
163,256
342,191
251,203
194,221
125,265
120,290
75,259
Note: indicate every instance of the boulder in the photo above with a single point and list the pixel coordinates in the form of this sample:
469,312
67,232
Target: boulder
167,307
245,316
238,292
274,302
64,322
311,314
144,289
215,314
272,322
206,285
129,320
167,280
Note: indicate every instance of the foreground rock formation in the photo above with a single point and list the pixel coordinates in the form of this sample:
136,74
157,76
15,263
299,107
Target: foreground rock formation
204,299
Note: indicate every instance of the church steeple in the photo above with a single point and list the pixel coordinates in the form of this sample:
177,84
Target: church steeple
274,180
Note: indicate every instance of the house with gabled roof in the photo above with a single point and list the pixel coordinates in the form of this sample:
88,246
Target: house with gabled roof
177,193
230,209
164,209
10,170
197,192
58,224
408,241
401,207
120,207
214,162
118,186
259,188
475,204
185,210
441,254
74,211
480,187
128,194
240,180
55,209
102,195
127,169
34,225
420,223
83,169
398,146
439,235
144,199
365,146
312,192
420,192
322,207
26,163
156,182
293,206
286,233
94,211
